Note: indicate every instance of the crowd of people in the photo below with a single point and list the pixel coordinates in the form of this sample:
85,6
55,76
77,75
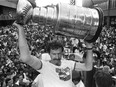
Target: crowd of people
14,71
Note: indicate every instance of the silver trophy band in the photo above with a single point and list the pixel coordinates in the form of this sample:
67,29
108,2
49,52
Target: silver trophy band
69,20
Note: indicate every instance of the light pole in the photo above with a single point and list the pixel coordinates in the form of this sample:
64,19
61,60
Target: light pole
108,17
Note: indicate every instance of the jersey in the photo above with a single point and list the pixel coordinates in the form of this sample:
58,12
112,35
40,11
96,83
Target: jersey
57,76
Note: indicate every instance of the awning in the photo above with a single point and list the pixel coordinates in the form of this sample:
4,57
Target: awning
7,4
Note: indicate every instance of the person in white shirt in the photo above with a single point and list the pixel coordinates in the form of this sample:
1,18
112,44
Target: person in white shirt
56,72
38,81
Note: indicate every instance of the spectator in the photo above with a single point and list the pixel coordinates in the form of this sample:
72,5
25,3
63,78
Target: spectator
103,79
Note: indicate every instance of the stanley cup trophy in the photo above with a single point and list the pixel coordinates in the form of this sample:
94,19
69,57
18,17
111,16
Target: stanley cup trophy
69,20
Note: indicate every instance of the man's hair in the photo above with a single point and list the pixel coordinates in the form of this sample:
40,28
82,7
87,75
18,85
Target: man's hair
103,79
54,45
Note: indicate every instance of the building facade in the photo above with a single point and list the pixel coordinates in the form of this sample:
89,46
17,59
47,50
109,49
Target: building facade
7,12
109,9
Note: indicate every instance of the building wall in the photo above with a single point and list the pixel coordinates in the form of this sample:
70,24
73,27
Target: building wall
109,9
7,13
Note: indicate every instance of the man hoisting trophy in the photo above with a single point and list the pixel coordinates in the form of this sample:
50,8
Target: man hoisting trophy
69,20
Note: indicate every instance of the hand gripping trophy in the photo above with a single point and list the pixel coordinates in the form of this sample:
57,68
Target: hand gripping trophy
70,20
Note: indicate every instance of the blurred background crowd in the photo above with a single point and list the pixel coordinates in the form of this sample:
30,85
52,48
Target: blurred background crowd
13,71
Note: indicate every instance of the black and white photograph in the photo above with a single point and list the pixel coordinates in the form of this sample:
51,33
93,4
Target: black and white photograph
57,43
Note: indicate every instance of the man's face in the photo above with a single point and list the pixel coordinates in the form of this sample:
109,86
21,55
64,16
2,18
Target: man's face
56,54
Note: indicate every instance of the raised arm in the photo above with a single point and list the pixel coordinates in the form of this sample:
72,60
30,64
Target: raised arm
25,55
88,63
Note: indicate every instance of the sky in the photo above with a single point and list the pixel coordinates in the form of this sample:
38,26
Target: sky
54,2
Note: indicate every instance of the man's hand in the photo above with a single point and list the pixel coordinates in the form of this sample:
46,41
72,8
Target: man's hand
88,45
17,25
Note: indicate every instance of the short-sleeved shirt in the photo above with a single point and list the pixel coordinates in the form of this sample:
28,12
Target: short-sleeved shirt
57,76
